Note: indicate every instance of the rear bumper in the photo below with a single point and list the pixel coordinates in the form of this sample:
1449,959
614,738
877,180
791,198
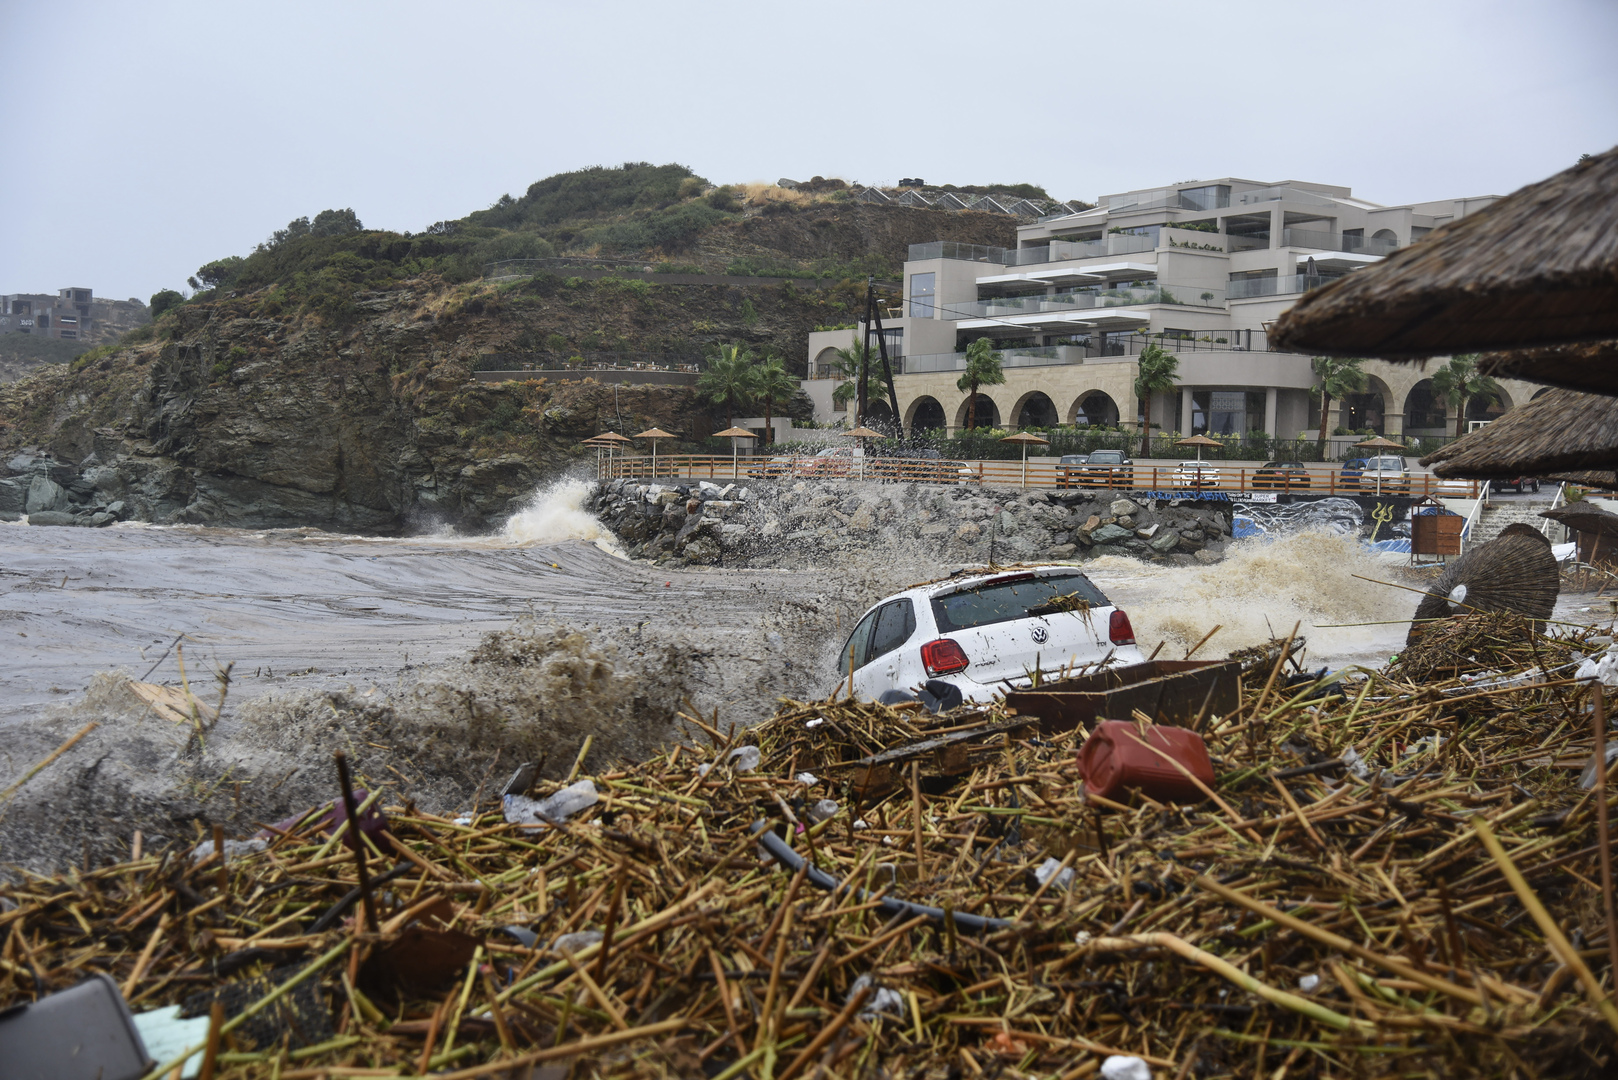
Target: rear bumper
974,691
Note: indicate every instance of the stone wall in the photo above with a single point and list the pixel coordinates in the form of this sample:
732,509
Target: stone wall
813,523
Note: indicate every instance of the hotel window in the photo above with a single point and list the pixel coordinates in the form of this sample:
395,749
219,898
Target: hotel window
922,288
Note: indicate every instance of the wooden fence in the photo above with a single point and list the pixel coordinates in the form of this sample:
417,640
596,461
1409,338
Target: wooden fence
1209,480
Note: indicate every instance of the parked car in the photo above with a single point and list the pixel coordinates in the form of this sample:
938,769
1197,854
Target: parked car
1519,485
1067,469
1349,477
1197,474
924,466
982,633
1385,474
1107,468
1286,475
1456,489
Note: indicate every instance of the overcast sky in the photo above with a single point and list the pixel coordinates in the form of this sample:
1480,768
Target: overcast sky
150,138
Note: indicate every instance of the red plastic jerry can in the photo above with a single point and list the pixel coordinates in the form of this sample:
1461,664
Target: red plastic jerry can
1115,758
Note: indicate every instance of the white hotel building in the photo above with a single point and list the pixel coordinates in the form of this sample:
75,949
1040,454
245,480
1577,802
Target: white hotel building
1210,265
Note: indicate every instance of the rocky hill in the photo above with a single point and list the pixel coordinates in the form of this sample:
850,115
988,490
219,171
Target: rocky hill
326,378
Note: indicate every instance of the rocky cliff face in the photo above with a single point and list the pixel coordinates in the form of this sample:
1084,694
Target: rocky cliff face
816,523
242,416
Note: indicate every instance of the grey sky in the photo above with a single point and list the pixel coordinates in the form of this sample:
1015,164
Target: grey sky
151,138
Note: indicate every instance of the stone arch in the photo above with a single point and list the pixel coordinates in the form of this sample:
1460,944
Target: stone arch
1369,408
988,413
1385,234
925,414
1035,409
823,361
878,414
1422,408
1492,409
1094,408
1541,392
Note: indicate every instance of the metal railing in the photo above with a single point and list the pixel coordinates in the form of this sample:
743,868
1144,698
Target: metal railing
1055,251
1278,192
1192,199
1084,299
1327,241
1223,482
949,249
1275,286
1250,242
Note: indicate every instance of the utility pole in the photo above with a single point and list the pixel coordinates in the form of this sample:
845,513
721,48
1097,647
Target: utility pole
873,323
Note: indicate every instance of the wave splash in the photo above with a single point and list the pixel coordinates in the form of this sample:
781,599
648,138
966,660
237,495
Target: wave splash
556,513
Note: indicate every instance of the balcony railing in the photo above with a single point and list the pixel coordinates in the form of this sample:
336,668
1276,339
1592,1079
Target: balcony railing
949,249
1168,197
1275,286
1254,242
999,307
1055,251
1278,192
1325,241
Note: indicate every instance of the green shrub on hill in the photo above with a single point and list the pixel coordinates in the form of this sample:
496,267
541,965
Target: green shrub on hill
634,185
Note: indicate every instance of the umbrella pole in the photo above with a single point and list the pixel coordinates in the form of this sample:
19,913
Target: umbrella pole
734,450
1024,464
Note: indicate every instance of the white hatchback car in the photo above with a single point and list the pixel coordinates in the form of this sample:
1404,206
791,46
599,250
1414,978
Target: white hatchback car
984,633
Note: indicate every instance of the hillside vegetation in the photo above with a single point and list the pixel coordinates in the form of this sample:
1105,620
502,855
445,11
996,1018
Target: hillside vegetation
326,378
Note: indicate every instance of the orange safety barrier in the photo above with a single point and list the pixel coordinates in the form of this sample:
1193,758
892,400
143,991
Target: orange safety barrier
1011,473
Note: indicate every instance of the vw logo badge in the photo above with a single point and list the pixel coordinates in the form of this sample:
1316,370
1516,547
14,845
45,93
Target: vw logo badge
1039,635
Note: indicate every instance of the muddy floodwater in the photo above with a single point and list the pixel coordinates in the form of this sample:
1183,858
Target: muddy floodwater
436,661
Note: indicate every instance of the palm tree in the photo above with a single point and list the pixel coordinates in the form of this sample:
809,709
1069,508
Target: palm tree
982,369
846,362
1459,381
773,385
1338,377
1159,371
729,380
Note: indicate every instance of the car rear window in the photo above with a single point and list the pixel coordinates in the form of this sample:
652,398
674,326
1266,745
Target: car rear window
1017,597
1107,457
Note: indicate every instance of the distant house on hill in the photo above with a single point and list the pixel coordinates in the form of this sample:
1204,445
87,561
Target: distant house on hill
71,314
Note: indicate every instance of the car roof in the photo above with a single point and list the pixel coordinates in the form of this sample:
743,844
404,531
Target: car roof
1283,464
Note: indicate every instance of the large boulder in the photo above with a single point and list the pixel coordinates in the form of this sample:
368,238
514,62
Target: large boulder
45,494
13,496
1111,534
1165,541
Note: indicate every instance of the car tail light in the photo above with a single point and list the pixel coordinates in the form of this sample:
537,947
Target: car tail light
1119,630
945,656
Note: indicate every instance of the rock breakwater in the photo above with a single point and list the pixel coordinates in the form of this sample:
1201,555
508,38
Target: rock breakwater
809,523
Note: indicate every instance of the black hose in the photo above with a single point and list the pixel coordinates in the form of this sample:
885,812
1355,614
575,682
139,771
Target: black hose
782,853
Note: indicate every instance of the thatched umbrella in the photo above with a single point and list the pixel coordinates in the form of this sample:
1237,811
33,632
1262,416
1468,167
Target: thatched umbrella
1025,440
1595,526
1514,572
862,433
606,440
1537,268
1199,441
1379,444
734,433
654,434
1563,435
1592,366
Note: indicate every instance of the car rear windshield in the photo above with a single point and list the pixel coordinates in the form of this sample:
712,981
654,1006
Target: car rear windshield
1018,597
1385,464
1107,457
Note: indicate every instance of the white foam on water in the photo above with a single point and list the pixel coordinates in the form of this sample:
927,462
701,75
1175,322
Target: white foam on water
1261,588
555,513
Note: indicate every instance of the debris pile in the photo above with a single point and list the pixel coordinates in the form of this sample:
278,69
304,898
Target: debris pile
1387,875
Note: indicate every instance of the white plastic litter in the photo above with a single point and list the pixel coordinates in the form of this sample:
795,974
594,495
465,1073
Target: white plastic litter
883,1002
744,758
574,942
816,722
464,820
1043,873
1587,779
1308,983
1564,552
702,770
1355,764
1603,666
233,848
1083,938
825,808
1120,1067
859,823
167,1035
521,810
807,778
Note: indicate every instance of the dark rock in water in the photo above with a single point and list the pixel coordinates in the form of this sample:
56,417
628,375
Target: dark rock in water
45,494
52,517
13,496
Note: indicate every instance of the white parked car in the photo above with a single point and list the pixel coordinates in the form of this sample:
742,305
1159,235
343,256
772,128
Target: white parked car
1194,474
984,633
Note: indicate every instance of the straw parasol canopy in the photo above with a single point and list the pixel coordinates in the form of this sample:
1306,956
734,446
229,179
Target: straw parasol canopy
655,434
1514,572
1585,518
1591,365
734,433
1562,435
605,438
1198,441
1380,443
1025,440
863,433
1537,268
